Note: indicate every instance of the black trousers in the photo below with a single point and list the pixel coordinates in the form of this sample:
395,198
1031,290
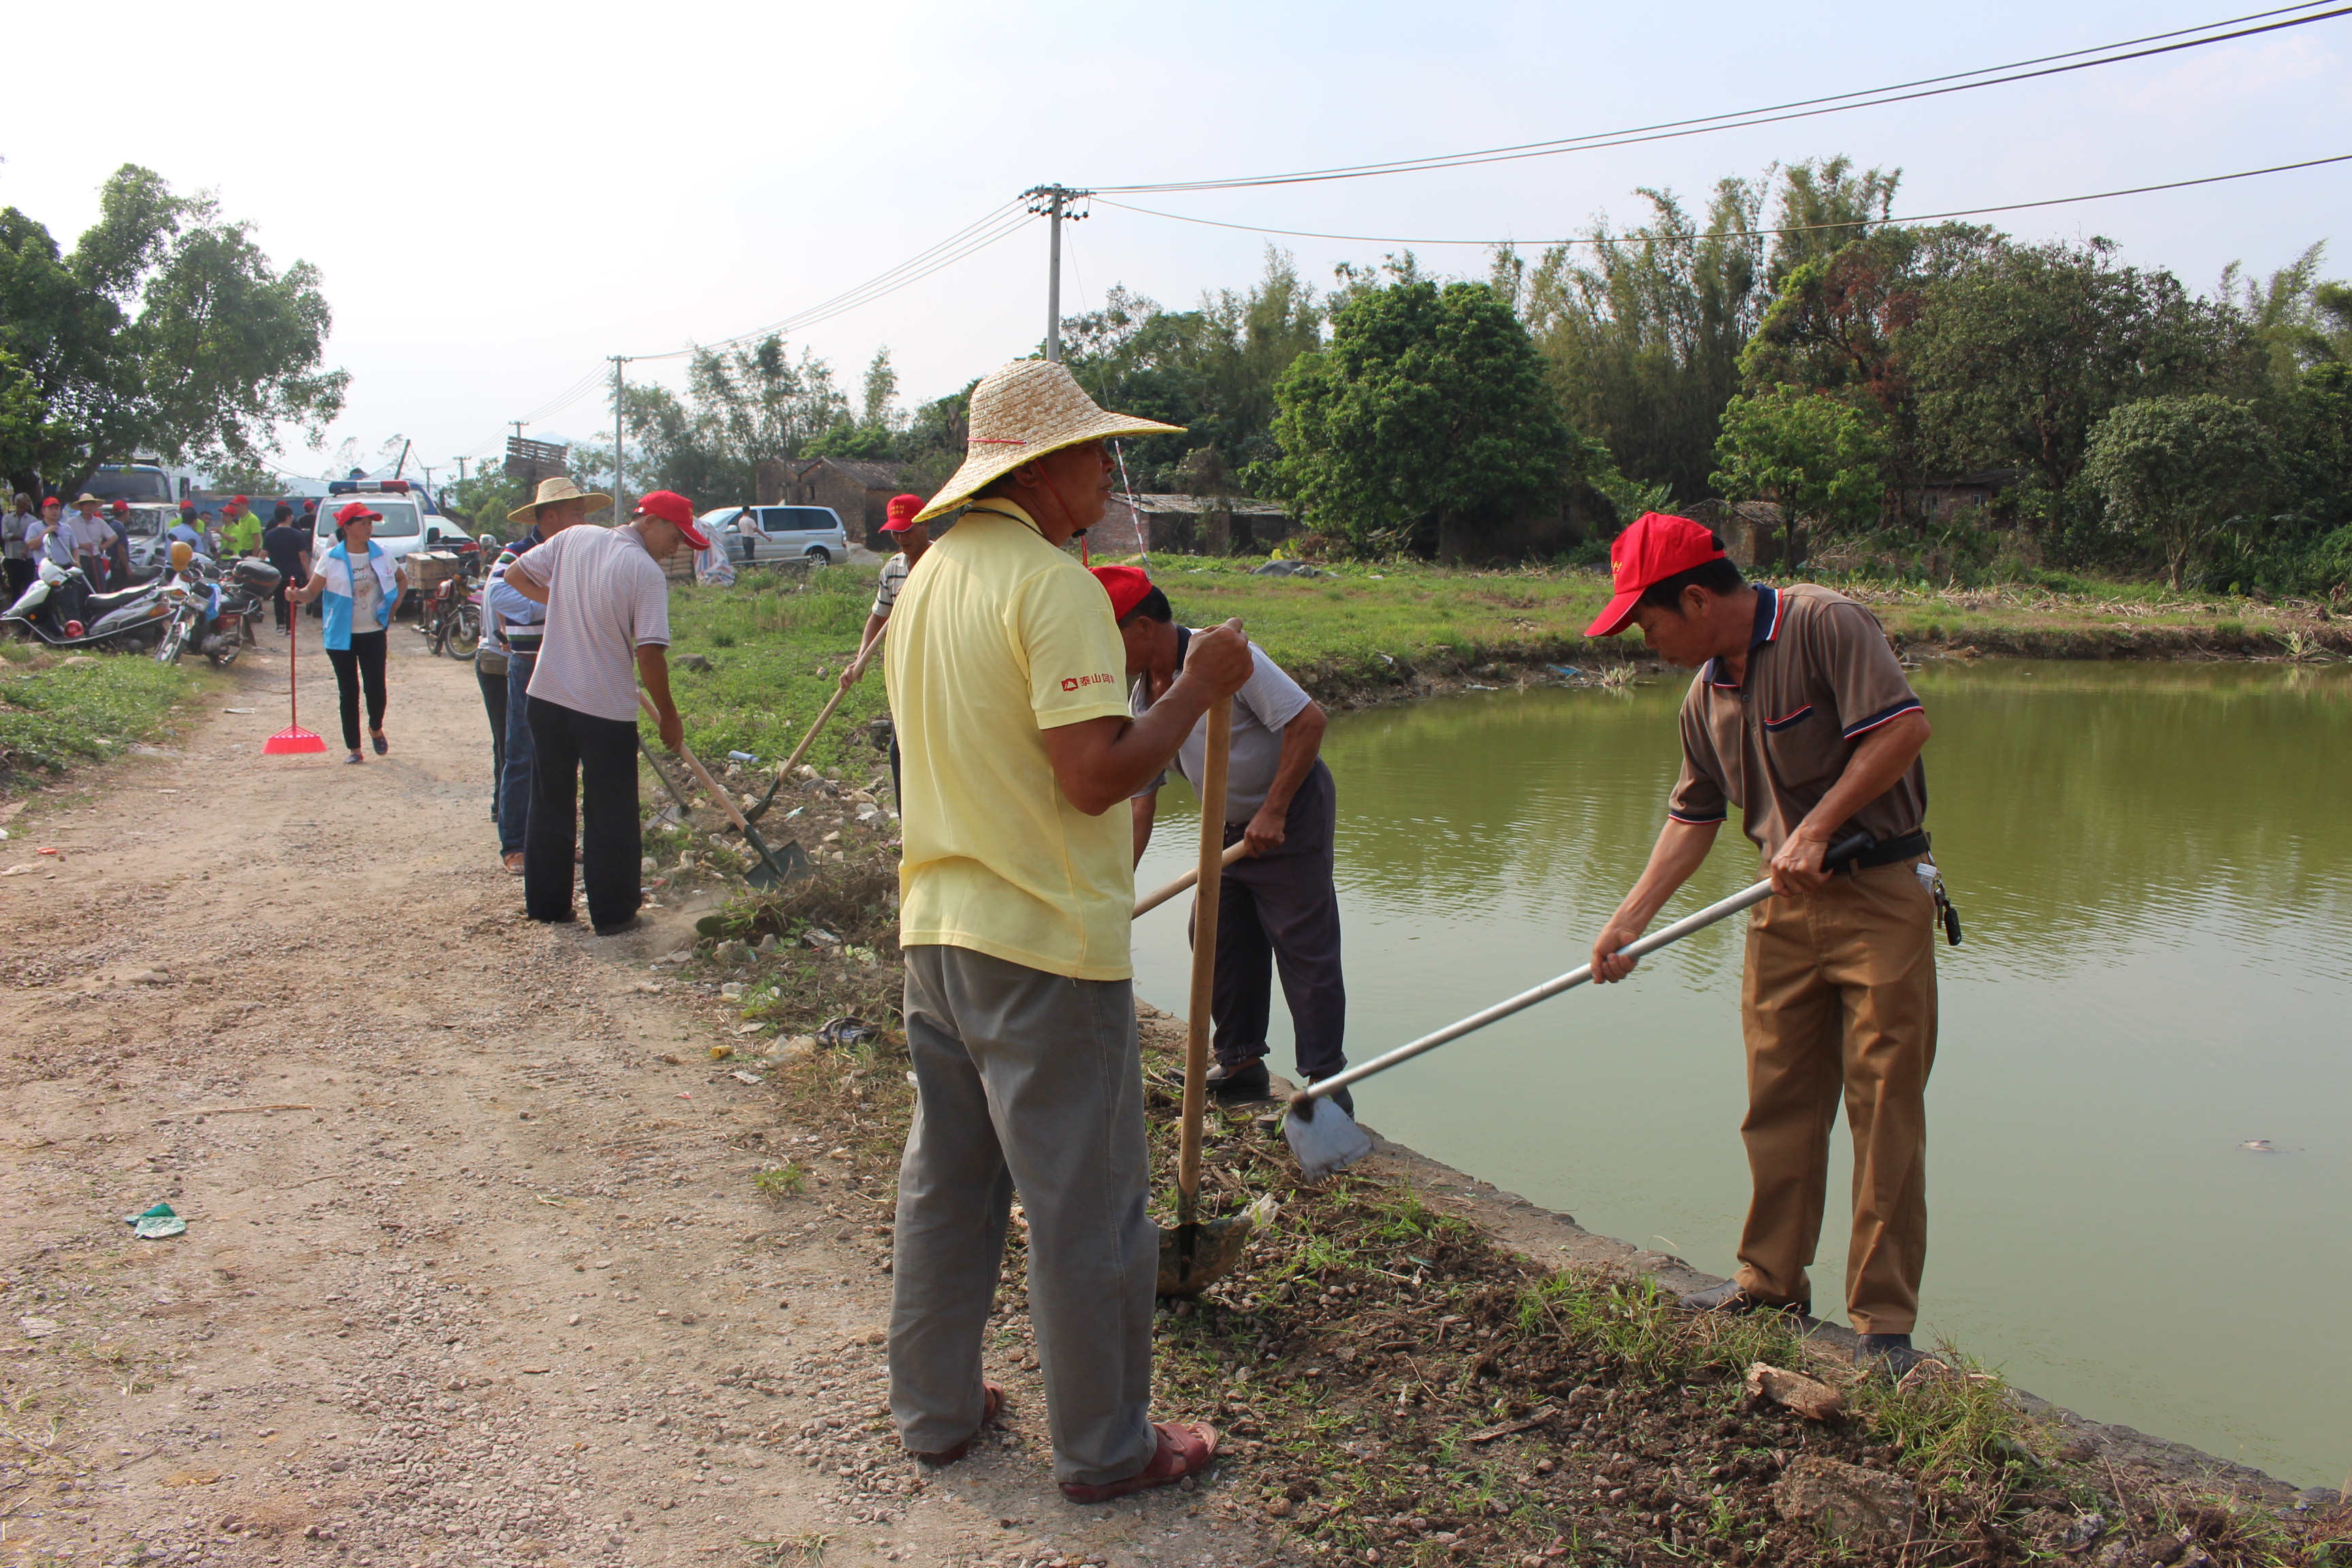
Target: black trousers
363,662
279,612
494,703
1281,908
19,577
599,756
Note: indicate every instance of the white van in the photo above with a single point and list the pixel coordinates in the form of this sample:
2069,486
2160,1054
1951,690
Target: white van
407,527
779,533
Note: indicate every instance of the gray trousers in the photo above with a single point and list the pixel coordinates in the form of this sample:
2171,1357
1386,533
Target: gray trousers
1026,1082
1282,908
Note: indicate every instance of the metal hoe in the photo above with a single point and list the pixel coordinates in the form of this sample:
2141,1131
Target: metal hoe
1327,1140
1194,1256
771,872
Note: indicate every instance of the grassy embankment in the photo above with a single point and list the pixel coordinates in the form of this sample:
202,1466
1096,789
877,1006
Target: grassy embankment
55,712
1366,633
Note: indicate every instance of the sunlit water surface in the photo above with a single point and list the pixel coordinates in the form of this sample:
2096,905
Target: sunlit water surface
2154,866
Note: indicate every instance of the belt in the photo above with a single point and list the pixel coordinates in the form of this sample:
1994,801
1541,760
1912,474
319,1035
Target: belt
523,642
1912,843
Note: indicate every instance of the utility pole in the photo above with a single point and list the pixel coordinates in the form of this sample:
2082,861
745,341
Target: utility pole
617,362
517,425
1054,202
461,471
428,477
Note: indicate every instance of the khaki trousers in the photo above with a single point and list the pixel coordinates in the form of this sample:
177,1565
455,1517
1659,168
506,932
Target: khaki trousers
1839,999
1032,1083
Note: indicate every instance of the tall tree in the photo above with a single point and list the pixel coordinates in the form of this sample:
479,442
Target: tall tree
2179,467
166,330
1425,425
1818,458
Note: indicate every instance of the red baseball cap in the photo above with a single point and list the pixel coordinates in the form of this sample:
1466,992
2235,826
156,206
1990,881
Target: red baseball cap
353,511
1127,586
52,500
240,500
678,512
902,511
1656,547
120,506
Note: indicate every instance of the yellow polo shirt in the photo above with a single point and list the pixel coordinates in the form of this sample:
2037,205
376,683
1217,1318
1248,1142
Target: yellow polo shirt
996,638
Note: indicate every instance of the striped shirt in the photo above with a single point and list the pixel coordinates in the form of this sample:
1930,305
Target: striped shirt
607,598
894,577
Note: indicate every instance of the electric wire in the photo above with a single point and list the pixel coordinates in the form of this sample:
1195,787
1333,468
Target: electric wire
1802,109
1752,232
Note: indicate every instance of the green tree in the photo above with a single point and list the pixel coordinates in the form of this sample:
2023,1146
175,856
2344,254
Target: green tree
2179,467
1818,458
166,330
2299,320
1424,423
2020,357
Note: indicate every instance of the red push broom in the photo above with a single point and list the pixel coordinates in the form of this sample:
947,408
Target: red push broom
293,738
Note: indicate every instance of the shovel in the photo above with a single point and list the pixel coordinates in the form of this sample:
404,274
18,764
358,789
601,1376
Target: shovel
785,771
1194,1256
1327,1140
771,873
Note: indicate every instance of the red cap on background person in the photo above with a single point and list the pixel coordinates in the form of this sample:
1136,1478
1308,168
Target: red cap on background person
901,510
1658,546
241,501
120,509
353,511
678,512
1127,586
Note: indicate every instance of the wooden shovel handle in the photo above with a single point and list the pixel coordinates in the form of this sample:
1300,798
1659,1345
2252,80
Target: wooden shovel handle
784,770
726,801
1150,901
1209,878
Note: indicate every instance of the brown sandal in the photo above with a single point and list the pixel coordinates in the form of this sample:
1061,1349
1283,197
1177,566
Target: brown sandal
990,1407
1186,1449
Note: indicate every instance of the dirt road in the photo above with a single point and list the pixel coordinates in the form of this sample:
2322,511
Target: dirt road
472,1274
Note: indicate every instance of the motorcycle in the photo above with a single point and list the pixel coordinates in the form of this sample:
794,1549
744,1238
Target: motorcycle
244,589
58,609
208,605
450,618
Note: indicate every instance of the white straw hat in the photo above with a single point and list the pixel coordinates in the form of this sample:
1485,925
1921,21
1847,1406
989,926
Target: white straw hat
561,488
1019,412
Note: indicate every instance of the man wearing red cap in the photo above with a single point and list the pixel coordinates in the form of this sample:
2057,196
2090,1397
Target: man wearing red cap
607,625
1801,716
914,538
240,530
1279,906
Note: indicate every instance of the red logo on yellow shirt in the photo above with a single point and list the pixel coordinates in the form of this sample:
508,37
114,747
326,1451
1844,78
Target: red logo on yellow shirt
1072,683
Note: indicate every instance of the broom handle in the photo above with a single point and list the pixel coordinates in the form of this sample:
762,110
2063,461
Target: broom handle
1747,897
726,801
1209,878
1150,901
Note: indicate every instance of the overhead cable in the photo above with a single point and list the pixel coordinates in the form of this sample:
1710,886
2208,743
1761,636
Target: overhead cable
1802,109
1754,233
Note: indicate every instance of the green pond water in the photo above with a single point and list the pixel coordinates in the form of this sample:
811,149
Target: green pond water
2154,866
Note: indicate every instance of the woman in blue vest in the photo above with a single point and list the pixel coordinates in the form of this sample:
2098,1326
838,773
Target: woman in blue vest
362,585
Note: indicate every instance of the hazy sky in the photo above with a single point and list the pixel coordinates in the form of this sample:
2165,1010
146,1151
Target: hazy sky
498,196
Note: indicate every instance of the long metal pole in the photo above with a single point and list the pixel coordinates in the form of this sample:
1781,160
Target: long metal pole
1054,277
617,513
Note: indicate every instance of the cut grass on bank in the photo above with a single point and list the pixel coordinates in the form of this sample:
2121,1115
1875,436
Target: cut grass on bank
776,643
54,714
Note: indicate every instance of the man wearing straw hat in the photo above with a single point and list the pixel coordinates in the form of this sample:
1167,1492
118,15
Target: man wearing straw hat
515,625
1005,676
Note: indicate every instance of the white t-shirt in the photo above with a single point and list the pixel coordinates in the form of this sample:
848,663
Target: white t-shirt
1266,701
606,599
90,535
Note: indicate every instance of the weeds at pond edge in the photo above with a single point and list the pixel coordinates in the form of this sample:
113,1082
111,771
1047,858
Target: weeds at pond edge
1397,1387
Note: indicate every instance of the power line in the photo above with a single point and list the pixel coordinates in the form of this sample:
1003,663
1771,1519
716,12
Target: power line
1760,233
1802,109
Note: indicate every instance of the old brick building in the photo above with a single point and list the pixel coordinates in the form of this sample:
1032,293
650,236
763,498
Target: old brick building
859,490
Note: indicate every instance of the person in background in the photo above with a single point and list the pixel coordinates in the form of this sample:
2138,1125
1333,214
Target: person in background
518,623
118,549
91,539
914,538
188,530
240,530
608,626
1801,717
287,545
15,550
46,538
360,584
1278,906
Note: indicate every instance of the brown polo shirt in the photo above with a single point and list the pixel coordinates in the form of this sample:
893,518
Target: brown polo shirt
1821,675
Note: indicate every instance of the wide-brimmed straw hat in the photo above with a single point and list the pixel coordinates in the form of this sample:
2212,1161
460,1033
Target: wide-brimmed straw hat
555,490
1021,412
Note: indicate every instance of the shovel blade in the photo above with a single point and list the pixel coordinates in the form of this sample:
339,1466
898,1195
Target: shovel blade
774,867
1325,1138
1195,1256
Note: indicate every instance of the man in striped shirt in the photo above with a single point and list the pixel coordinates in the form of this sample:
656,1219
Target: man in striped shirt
608,626
914,538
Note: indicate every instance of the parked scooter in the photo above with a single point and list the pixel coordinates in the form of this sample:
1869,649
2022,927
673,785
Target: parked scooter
209,606
58,609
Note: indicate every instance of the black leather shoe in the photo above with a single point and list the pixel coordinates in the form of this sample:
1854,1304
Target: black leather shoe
1889,1353
1728,1296
1242,1084
1341,1096
617,927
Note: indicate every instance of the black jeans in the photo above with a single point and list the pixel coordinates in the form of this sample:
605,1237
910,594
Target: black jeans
494,703
280,614
600,755
361,662
1282,908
